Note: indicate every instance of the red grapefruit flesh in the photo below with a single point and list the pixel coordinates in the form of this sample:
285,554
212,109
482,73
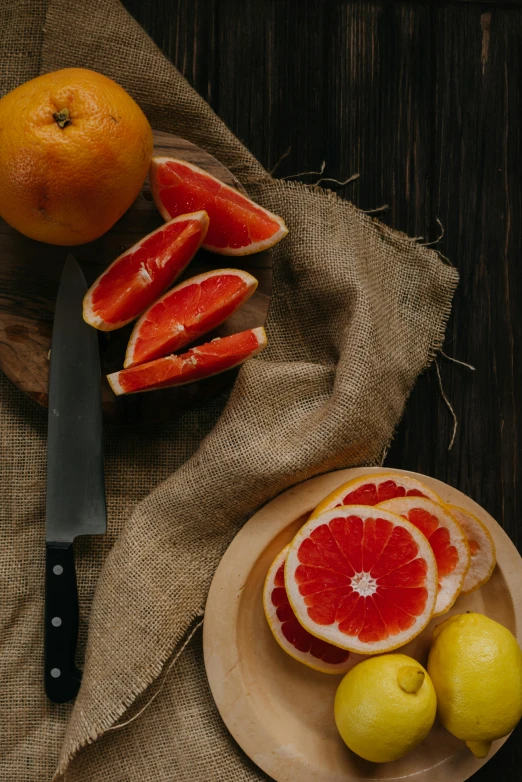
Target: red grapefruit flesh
373,489
294,639
197,364
186,312
136,279
361,578
238,226
445,537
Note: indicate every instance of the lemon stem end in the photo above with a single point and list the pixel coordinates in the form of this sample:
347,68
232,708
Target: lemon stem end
410,678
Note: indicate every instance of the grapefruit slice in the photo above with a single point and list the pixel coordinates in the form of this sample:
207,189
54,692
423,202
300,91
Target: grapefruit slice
138,276
291,637
374,489
361,578
447,540
238,226
481,547
197,364
186,312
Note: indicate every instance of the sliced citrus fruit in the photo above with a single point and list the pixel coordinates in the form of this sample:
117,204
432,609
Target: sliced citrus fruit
294,639
186,312
447,540
481,547
197,364
373,489
238,226
138,276
361,578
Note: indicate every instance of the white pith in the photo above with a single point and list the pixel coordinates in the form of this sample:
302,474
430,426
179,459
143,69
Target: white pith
144,274
115,383
331,633
364,584
450,585
483,562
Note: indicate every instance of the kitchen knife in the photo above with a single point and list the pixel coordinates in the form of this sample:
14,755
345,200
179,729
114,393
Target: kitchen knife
75,483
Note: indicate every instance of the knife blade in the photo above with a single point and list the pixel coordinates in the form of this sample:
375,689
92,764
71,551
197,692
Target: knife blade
75,482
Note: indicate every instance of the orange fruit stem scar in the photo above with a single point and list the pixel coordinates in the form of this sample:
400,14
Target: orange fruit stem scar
59,127
62,118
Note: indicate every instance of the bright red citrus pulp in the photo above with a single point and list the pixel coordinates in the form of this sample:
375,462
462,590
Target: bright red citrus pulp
198,363
186,312
238,226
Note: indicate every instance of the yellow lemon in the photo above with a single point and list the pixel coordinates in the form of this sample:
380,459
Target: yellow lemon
476,668
384,707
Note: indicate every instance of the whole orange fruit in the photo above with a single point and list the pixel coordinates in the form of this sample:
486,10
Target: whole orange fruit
74,151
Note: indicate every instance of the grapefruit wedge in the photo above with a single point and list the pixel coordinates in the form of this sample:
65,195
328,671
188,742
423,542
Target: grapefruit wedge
361,578
447,539
197,364
188,311
481,547
238,226
291,637
373,489
138,276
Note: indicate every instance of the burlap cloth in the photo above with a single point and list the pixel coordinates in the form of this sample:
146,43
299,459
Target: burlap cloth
358,312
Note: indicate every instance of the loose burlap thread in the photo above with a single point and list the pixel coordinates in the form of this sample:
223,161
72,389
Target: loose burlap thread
358,312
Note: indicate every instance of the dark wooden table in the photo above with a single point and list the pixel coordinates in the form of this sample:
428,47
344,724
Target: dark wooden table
423,100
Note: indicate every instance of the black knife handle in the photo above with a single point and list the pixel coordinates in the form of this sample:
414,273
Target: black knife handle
62,678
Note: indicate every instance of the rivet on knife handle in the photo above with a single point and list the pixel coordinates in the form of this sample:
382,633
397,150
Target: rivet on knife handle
62,678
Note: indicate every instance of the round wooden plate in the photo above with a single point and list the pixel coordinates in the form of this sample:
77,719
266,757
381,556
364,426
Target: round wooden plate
29,276
281,712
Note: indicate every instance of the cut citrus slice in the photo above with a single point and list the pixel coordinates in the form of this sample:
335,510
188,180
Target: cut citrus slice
361,578
373,489
138,276
447,540
186,312
197,364
238,226
291,637
481,547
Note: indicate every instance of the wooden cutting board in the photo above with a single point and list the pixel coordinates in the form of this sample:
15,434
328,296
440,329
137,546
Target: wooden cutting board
29,276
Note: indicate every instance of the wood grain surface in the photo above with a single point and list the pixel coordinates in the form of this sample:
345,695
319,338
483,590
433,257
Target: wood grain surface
422,99
29,276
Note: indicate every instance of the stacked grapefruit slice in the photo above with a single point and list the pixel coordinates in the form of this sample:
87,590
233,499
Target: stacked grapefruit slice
447,540
376,560
481,548
290,634
200,211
